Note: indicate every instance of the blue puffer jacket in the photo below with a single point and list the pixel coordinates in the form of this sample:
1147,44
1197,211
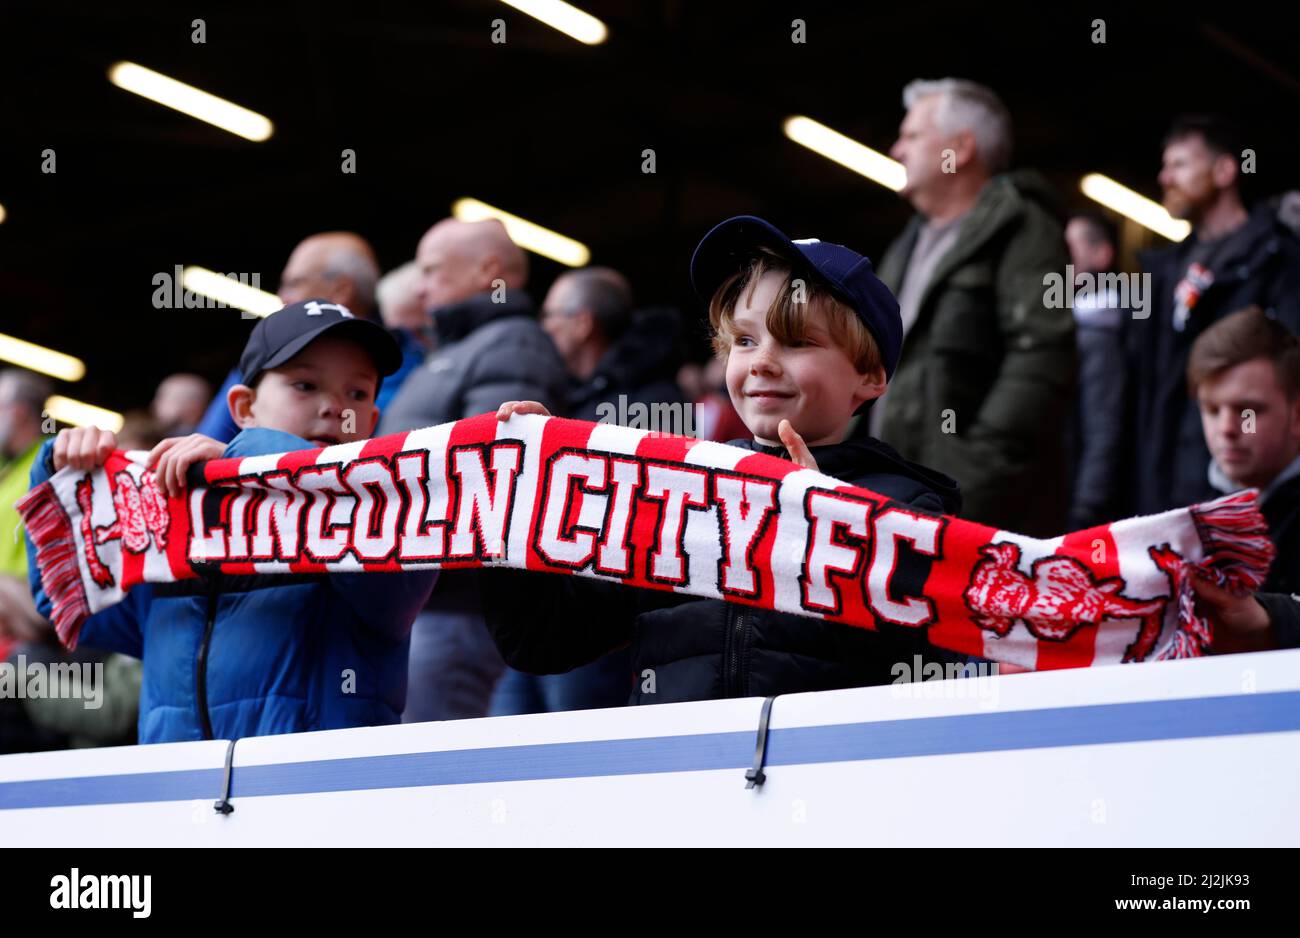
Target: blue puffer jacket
232,656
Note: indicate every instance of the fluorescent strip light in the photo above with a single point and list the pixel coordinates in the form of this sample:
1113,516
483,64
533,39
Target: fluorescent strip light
80,414
524,233
846,151
190,100
565,17
42,359
1130,204
227,290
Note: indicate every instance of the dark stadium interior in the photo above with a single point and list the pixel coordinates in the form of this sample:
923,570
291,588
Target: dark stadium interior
542,126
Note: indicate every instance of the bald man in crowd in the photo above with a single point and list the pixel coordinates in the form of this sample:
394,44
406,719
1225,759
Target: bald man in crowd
338,266
490,346
490,349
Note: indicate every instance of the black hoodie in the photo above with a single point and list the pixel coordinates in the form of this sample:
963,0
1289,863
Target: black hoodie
684,648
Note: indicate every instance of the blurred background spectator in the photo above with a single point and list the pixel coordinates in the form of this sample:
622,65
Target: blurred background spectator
616,356
337,266
1096,431
1233,258
179,404
490,350
402,312
48,722
986,373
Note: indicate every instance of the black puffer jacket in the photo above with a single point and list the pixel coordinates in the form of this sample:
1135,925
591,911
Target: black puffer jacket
684,648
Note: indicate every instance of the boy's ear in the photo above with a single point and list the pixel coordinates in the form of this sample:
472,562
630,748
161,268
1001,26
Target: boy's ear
871,385
240,401
374,422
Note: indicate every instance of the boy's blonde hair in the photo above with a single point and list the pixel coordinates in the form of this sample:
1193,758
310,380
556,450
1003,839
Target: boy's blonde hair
787,319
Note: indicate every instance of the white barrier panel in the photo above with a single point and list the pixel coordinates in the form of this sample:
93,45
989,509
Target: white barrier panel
1188,753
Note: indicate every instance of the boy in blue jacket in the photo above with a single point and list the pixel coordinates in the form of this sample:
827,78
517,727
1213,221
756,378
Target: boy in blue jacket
230,656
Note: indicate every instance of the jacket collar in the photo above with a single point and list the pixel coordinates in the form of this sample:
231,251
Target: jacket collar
1247,248
454,321
1221,483
1000,203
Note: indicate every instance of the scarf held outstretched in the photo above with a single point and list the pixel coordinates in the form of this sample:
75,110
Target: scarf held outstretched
652,511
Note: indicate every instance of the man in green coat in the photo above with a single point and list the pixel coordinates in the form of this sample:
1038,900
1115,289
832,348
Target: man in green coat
987,370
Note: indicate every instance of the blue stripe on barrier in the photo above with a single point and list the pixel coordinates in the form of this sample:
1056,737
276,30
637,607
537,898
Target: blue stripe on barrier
111,789
892,739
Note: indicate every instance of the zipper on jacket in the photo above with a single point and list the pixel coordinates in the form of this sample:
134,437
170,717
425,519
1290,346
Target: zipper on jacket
737,622
201,664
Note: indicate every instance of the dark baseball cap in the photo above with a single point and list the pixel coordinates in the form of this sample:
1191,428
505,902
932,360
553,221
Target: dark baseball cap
286,332
848,274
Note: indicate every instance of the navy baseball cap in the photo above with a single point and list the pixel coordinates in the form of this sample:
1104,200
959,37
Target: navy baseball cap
286,332
848,274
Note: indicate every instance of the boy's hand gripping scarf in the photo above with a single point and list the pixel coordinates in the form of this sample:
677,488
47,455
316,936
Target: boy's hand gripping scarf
659,512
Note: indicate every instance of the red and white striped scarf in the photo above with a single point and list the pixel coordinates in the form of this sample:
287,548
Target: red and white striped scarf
651,511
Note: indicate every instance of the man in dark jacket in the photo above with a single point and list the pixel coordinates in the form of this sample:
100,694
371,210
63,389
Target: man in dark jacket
620,361
490,350
1244,375
1232,259
609,348
795,367
987,368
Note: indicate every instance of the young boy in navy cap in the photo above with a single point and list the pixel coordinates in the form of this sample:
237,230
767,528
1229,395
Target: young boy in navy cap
810,337
227,656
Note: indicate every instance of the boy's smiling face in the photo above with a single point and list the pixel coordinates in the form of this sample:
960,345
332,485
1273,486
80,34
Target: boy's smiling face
814,385
325,394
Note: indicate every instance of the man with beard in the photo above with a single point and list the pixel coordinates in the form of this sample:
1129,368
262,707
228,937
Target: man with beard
1234,258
